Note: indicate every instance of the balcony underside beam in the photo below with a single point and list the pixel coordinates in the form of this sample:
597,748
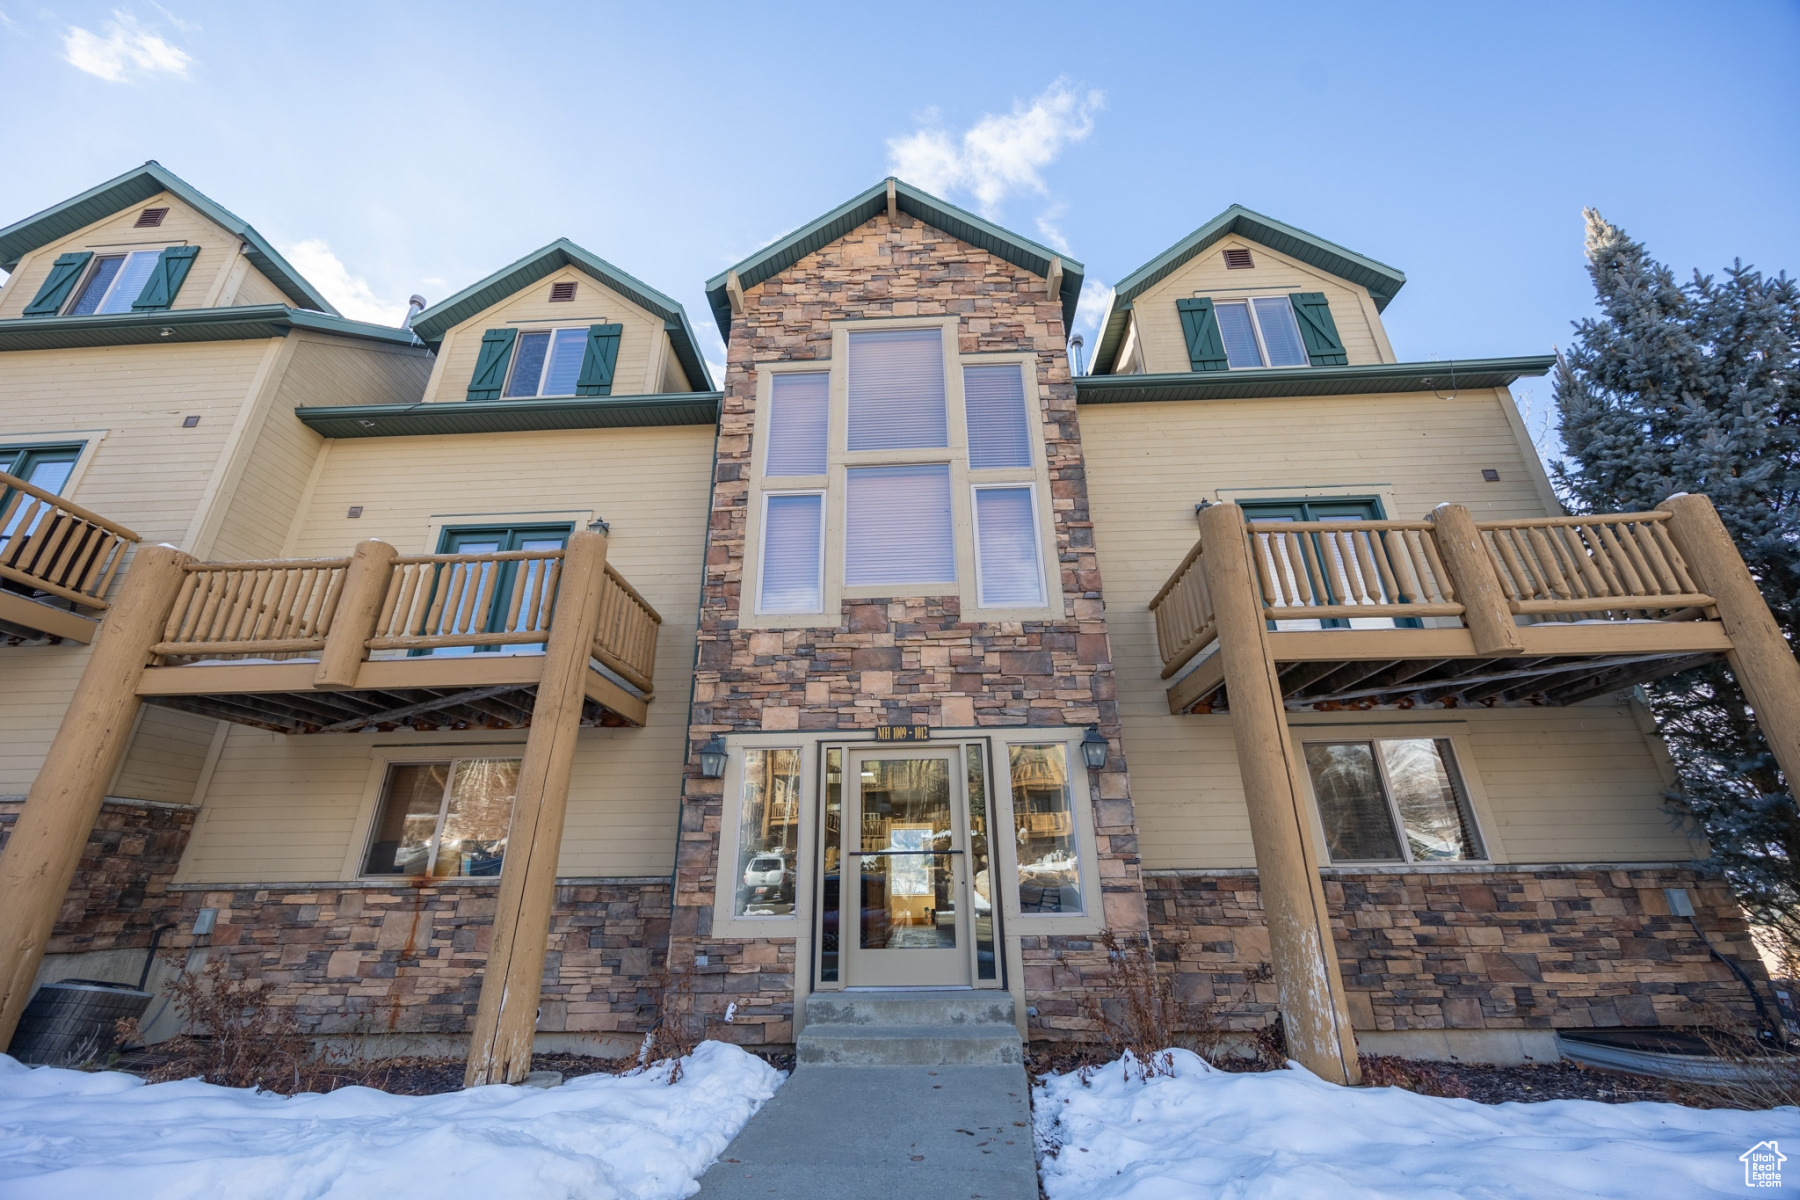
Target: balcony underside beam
29,614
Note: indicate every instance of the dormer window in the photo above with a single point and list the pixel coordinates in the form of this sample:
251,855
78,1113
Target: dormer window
1260,332
547,363
114,281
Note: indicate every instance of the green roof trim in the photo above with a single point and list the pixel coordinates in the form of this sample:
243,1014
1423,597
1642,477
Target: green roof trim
511,416
166,326
432,324
133,188
783,253
1447,376
1382,280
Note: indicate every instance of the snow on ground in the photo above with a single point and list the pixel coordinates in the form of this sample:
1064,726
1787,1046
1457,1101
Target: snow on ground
1289,1134
71,1135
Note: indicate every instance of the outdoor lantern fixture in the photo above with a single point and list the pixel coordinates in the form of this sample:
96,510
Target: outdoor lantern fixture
712,758
1093,748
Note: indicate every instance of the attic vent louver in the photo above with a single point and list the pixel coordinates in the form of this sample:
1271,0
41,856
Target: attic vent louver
1238,260
150,218
562,291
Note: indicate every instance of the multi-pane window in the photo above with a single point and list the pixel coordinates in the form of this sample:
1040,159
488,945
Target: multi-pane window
1260,332
875,485
114,282
547,363
46,467
442,819
1048,845
1392,800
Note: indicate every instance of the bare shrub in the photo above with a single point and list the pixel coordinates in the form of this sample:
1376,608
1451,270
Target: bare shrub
1762,1077
1142,1016
678,1027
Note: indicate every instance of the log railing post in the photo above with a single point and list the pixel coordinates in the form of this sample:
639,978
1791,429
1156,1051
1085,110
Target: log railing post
40,859
1314,1009
1760,656
365,587
506,1017
1485,609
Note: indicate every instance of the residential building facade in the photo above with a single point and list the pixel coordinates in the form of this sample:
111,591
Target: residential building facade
483,680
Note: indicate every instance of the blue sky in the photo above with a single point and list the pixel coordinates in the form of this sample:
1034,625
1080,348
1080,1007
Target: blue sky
414,147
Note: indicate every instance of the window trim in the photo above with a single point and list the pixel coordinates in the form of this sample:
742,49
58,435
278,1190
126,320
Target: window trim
88,439
93,267
839,459
1037,532
544,370
369,818
1352,727
1248,300
824,550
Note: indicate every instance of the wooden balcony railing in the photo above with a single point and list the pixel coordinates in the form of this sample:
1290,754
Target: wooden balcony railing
1618,567
432,602
56,547
1569,565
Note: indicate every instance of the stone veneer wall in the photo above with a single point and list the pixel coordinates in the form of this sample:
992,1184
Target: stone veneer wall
356,959
907,661
120,892
1540,948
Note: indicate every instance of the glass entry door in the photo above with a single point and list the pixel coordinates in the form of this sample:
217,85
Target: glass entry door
907,911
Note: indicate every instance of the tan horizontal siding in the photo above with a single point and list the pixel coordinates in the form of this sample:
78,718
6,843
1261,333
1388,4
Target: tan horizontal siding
1149,464
642,342
167,752
255,288
286,808
115,235
1164,345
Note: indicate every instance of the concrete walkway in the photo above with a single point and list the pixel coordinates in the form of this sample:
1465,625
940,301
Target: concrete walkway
885,1133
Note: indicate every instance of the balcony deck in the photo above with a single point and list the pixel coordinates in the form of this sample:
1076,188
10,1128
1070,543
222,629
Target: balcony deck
57,559
435,641
1599,604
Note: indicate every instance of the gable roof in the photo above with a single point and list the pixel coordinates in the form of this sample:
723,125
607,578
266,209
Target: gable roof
783,253
432,324
133,188
1382,280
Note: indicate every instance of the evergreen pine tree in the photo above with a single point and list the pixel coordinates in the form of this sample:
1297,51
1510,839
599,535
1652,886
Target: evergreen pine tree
1695,387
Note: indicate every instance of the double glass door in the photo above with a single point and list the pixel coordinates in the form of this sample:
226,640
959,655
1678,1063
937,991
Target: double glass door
907,897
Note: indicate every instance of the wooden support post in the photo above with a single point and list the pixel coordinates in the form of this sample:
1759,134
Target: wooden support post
1477,584
365,587
500,1049
40,860
1759,656
1314,1010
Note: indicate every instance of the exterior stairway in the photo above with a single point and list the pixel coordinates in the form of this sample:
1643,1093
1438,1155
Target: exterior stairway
907,1027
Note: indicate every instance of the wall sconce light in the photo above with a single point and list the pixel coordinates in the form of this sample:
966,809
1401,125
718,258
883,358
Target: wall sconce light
1093,748
712,758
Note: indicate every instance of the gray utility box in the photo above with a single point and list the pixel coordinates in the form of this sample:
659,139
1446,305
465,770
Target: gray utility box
70,1021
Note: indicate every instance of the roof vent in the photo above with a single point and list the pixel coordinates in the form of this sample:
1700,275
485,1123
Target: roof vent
1238,260
562,291
150,218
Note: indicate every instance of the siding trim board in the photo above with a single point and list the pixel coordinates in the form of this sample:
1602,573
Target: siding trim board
964,226
1269,382
511,416
1382,281
239,323
132,188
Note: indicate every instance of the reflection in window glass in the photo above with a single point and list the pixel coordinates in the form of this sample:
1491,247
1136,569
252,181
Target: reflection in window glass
981,867
831,885
444,819
1369,793
1281,336
1044,830
769,833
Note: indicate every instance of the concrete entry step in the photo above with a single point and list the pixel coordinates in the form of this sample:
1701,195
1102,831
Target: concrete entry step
909,1027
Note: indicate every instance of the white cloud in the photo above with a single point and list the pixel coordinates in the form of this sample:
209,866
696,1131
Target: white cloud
1095,296
351,293
1001,154
126,49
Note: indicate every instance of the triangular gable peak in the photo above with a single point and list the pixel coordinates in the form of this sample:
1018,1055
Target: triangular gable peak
123,202
643,343
1237,227
725,291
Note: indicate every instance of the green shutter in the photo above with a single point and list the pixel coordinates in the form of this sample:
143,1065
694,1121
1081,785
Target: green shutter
1318,330
1206,349
490,368
166,280
597,364
63,274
